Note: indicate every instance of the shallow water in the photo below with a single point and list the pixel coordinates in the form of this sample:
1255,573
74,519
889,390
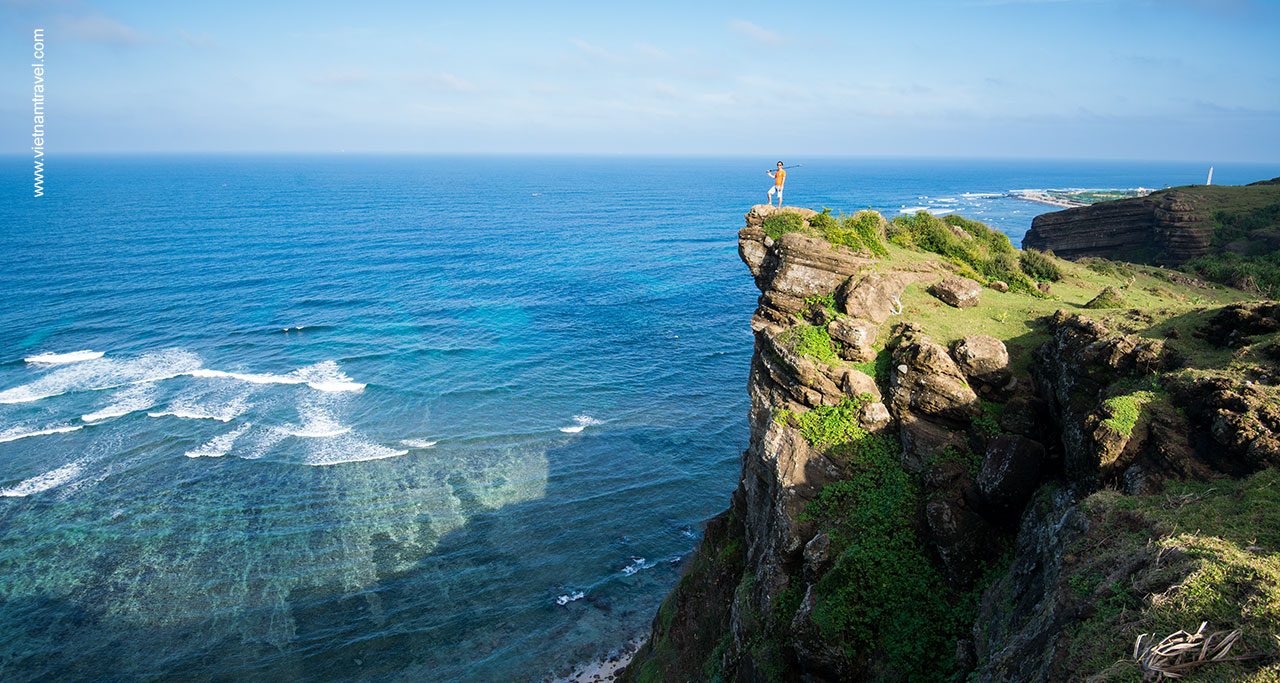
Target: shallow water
384,418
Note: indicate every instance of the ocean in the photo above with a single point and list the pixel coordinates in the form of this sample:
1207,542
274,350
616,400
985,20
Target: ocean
389,418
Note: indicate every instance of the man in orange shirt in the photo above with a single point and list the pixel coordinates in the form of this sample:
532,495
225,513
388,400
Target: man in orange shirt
779,177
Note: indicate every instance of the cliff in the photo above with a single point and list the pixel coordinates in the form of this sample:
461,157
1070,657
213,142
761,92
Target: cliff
950,478
1170,227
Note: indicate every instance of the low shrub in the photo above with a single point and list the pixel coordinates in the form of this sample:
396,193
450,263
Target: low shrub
860,231
779,224
984,256
1039,266
1109,297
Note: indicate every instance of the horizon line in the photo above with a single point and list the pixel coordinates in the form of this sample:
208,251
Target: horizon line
616,155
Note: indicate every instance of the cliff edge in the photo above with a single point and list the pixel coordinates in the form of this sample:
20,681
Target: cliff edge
1170,227
963,468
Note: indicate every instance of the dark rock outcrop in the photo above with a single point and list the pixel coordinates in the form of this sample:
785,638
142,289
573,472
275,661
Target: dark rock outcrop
1167,227
1011,471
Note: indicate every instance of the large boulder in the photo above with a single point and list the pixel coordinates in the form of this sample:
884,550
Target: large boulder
1026,415
925,380
811,266
957,291
875,297
856,338
923,440
984,360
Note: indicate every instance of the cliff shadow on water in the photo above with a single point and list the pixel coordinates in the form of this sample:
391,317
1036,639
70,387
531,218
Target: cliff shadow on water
969,462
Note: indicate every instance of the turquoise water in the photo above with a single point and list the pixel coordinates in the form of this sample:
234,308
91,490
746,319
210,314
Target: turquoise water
388,418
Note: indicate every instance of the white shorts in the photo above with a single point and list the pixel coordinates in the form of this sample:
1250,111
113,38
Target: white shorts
775,188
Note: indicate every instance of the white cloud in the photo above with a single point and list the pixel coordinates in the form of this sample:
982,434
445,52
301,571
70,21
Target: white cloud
342,78
653,52
594,50
445,81
760,35
203,40
99,28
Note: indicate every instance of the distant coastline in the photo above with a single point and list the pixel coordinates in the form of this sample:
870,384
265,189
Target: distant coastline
1070,199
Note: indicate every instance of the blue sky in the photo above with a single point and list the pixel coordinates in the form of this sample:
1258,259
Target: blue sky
1127,79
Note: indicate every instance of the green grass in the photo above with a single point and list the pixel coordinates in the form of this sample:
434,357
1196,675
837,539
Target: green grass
1125,410
1011,318
811,341
1218,544
781,223
877,368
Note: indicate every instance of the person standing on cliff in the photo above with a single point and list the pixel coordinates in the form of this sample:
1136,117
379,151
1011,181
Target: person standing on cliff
779,178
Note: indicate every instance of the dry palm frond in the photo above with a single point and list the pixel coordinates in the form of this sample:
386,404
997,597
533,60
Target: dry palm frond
1180,652
1175,502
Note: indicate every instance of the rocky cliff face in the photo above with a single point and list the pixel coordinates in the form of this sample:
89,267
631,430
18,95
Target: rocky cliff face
1166,228
910,508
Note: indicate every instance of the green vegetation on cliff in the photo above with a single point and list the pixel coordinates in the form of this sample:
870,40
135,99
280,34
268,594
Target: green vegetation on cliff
895,540
860,231
1247,245
812,341
1201,551
980,252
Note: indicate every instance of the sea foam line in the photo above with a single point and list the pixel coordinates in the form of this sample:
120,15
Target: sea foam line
44,482
104,373
323,376
219,445
348,450
130,400
97,373
60,358
15,433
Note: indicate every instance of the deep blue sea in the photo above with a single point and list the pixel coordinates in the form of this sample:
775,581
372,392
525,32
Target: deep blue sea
398,418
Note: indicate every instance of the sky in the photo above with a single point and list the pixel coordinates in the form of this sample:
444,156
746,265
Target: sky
1102,79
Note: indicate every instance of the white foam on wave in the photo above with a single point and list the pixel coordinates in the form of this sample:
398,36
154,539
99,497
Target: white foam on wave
132,399
316,423
44,482
219,445
61,358
15,433
581,423
104,373
326,376
637,564
323,376
418,443
570,597
245,376
347,449
198,408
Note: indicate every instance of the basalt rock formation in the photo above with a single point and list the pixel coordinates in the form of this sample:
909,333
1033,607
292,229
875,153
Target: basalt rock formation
1169,227
913,508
